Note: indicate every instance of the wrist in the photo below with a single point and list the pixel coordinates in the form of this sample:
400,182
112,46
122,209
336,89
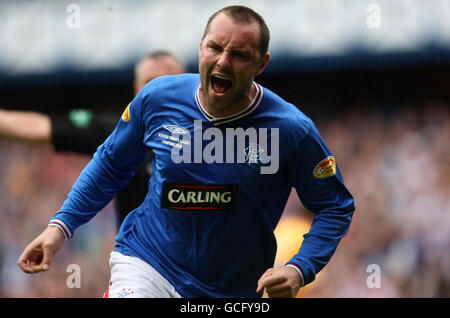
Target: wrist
61,226
296,267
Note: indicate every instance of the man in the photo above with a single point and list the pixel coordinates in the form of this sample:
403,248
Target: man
206,226
82,131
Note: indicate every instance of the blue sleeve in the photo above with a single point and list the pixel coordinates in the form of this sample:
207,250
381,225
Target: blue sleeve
111,169
321,189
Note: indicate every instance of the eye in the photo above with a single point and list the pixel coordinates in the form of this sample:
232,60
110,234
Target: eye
241,55
215,47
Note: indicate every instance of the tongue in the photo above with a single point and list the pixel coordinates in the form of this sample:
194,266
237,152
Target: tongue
220,85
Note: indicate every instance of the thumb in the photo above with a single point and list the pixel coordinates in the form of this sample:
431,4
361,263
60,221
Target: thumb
262,280
260,287
47,257
261,284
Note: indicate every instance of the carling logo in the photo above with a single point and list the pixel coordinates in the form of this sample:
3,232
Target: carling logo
199,197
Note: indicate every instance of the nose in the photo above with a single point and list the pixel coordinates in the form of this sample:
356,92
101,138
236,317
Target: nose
224,60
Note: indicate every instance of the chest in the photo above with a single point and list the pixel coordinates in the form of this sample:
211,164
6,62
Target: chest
189,149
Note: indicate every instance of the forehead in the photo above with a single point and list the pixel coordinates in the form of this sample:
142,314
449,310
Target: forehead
225,31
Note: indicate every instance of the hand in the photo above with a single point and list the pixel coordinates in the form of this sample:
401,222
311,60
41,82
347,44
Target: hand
280,282
37,256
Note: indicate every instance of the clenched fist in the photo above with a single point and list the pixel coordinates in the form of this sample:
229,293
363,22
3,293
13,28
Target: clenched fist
280,282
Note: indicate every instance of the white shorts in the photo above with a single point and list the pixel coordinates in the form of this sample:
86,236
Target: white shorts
131,277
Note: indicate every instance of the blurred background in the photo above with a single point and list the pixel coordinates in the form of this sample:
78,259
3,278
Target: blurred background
373,75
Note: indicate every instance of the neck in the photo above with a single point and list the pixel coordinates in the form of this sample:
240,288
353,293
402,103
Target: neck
228,110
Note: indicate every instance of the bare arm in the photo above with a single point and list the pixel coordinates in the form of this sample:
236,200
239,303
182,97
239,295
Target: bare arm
25,126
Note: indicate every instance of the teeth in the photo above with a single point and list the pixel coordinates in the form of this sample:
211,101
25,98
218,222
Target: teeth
221,77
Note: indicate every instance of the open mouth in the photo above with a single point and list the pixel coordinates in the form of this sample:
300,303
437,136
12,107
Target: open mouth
221,85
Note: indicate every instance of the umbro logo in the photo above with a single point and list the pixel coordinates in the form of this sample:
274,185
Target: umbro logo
175,129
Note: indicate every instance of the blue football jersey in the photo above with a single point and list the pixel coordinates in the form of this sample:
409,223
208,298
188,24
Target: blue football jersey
218,189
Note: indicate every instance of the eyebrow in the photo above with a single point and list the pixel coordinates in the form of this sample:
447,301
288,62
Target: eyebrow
233,51
211,42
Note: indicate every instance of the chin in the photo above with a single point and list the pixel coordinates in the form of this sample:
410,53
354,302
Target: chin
221,103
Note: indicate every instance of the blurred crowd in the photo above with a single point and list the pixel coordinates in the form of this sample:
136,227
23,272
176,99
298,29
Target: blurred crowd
397,167
34,183
395,164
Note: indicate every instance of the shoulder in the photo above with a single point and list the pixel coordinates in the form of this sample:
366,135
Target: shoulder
167,83
168,87
165,92
287,115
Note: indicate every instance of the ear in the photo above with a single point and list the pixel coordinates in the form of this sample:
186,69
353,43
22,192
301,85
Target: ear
262,63
201,41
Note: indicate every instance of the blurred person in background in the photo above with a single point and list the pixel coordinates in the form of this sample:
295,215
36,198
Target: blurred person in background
82,131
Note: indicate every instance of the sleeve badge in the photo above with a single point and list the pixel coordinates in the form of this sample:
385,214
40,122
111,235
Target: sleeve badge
325,168
126,114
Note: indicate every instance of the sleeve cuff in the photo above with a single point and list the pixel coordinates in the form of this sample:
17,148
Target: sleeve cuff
302,281
62,226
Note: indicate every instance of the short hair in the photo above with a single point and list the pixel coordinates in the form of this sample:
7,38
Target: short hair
242,14
157,55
